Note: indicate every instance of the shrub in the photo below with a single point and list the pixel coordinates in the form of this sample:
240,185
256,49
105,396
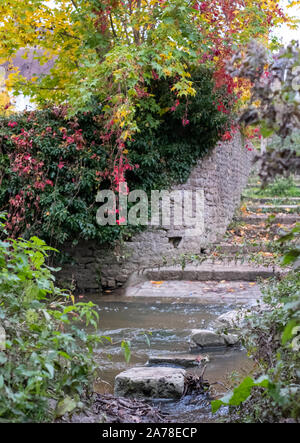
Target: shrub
272,340
52,167
47,355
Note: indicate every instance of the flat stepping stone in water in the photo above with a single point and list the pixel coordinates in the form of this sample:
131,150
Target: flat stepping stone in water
210,339
150,382
185,361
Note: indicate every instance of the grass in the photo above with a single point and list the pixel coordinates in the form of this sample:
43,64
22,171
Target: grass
280,188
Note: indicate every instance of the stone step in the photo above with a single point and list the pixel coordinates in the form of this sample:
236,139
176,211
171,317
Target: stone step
257,219
274,208
233,248
273,200
258,185
207,271
244,293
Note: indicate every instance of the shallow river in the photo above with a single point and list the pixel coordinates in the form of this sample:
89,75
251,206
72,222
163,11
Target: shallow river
161,326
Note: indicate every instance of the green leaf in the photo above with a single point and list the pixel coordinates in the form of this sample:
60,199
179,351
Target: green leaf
50,369
127,352
288,331
239,394
266,132
291,256
3,358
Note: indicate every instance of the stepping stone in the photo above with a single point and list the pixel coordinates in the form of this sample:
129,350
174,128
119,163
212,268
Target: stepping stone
150,382
185,360
210,339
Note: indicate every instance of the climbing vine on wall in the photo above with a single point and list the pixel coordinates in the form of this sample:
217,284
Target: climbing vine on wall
112,50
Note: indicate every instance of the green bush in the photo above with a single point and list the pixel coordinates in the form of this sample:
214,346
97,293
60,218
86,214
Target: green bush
52,167
272,338
46,354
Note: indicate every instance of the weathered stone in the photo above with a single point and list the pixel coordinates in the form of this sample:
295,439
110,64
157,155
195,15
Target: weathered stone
223,174
279,219
185,361
207,339
233,319
210,339
231,339
150,382
2,338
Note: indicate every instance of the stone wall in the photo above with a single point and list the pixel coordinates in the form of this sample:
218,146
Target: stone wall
222,175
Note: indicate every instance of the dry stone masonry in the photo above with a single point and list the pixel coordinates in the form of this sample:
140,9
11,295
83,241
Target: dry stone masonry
222,175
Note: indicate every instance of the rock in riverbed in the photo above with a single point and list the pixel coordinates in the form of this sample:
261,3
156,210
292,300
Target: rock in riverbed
233,319
150,382
184,360
210,339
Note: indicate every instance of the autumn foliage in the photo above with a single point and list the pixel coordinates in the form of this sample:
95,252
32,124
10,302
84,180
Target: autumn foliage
110,58
112,49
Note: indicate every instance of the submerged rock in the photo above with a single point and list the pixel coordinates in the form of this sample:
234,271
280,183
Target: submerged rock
150,382
210,339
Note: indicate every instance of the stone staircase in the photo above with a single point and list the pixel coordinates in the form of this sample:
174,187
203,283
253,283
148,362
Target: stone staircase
246,253
258,223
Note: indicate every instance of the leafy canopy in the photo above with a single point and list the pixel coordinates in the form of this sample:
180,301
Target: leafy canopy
112,49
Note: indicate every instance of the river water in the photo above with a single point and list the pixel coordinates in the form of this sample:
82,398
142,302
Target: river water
161,326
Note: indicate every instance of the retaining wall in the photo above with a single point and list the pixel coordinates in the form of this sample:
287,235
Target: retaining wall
223,174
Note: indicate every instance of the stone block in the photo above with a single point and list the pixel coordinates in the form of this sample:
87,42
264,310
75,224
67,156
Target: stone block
150,382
